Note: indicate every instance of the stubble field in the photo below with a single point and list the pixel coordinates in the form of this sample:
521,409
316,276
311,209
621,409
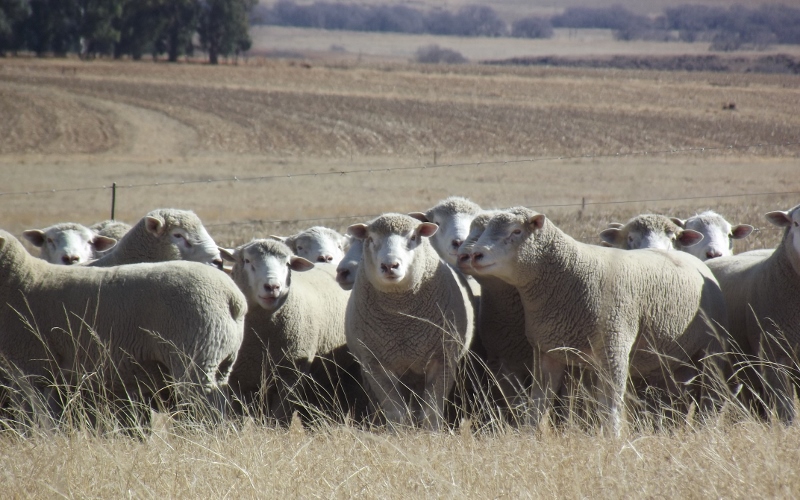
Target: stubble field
269,147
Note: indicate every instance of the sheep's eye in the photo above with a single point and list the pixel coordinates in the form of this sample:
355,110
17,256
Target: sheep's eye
413,237
178,235
516,231
299,248
796,223
50,240
246,261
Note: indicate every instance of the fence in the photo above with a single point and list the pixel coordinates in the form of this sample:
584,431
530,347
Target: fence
523,161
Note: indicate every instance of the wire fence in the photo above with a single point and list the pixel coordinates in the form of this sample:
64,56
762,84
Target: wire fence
459,165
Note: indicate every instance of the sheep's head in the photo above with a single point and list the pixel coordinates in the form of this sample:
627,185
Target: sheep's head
476,229
507,236
453,216
317,244
68,243
262,270
790,220
391,244
186,232
718,234
650,231
348,266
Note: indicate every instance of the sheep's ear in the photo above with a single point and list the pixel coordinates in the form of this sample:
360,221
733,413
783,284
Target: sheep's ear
227,254
779,218
606,244
689,237
678,222
2,242
276,237
615,225
741,231
427,229
300,264
537,221
612,237
358,231
35,236
103,243
154,225
419,216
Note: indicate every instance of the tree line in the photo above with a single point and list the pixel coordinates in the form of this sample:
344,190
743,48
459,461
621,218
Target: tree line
133,28
726,28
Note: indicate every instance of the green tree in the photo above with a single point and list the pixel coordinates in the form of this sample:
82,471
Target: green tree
52,27
140,27
180,18
223,27
13,14
99,25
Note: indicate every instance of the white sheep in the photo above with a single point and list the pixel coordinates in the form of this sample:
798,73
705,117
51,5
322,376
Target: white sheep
155,323
162,235
295,318
69,243
453,216
409,319
111,228
762,289
649,231
623,314
348,265
718,234
500,325
317,244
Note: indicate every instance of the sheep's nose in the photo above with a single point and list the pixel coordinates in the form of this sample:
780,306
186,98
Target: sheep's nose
456,243
463,257
477,256
325,258
392,266
70,259
272,289
713,254
342,274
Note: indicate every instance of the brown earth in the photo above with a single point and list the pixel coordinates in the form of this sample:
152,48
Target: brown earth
74,125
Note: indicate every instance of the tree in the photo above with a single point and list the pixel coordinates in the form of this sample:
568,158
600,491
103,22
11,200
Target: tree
52,27
223,27
99,25
140,27
180,24
13,14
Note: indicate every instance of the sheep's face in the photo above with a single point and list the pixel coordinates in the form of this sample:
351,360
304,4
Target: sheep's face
453,216
188,236
346,270
790,220
497,250
476,229
263,272
390,247
68,244
718,235
649,231
319,246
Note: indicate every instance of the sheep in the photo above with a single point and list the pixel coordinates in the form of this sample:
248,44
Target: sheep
762,289
453,216
409,319
500,325
111,228
155,323
622,314
718,234
649,231
161,235
296,317
69,243
317,244
346,270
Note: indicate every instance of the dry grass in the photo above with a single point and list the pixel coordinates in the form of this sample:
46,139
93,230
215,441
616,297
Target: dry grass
71,125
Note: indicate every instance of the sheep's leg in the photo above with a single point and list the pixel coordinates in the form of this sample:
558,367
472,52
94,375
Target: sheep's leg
439,379
289,391
510,384
548,374
612,371
384,386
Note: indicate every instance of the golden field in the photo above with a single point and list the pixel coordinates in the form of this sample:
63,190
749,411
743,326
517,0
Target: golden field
335,144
